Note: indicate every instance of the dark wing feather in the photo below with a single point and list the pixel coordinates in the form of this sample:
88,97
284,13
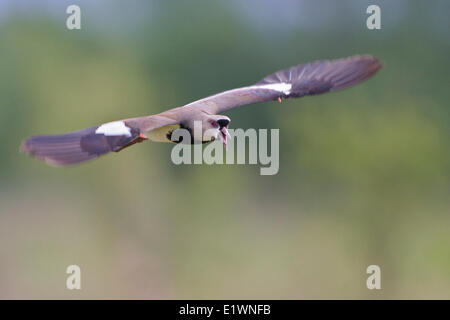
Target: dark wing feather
305,79
323,76
71,148
86,144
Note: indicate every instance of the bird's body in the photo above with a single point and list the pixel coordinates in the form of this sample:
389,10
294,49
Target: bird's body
306,79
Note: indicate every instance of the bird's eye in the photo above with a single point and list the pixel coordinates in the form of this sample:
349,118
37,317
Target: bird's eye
214,123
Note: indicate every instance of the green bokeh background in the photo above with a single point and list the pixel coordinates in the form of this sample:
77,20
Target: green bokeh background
364,173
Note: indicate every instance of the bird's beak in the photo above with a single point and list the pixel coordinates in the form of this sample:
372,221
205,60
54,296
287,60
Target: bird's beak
224,135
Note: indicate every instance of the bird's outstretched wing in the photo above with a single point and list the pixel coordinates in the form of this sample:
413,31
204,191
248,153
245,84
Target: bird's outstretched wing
298,81
86,144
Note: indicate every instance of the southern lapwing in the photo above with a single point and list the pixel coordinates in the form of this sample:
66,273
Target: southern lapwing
305,79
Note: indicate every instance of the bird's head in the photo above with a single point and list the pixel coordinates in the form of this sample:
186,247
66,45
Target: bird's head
217,128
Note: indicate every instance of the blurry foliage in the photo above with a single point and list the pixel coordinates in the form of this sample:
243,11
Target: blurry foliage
364,173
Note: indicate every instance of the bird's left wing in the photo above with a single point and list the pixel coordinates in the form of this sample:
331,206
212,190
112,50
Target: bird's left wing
298,81
86,144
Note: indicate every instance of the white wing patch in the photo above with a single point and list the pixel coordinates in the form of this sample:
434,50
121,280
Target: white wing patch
116,128
281,87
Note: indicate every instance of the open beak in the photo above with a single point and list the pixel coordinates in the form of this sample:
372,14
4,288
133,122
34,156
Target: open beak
224,135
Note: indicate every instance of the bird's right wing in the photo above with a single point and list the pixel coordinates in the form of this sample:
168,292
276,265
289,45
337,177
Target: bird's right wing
298,81
71,148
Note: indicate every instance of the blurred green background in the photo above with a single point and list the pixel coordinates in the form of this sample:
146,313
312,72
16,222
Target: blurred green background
364,173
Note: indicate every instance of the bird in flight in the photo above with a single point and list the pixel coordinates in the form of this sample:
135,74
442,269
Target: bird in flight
295,82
